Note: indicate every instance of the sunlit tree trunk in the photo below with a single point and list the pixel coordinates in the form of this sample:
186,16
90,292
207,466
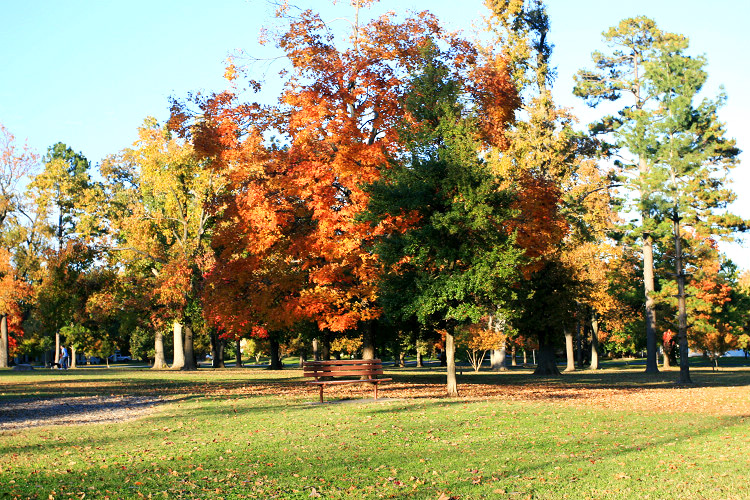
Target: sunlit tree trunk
4,341
569,351
594,341
188,349
513,361
650,316
160,363
179,352
57,346
450,358
73,360
420,363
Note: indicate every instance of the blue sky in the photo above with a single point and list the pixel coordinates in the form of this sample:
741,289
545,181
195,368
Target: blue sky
88,72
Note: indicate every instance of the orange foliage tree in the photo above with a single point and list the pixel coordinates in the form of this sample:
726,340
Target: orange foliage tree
290,246
12,291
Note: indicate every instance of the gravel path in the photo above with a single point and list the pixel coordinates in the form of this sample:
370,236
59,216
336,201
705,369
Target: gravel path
23,413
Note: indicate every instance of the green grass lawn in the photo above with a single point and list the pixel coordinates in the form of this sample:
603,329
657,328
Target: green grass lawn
252,433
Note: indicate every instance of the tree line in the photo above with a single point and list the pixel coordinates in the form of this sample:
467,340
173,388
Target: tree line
410,187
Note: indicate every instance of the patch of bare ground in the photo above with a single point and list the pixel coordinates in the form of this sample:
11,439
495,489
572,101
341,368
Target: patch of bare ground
24,413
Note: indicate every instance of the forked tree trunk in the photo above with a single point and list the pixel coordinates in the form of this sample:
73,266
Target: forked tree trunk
160,363
450,359
4,341
188,348
594,341
571,367
178,361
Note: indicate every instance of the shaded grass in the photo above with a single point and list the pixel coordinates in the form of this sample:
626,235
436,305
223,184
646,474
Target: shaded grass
219,439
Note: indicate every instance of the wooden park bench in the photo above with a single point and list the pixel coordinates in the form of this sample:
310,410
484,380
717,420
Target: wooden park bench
366,371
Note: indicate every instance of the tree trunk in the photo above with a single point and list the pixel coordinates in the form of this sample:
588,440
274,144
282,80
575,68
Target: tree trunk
4,341
579,344
594,341
650,316
450,359
325,348
368,341
402,359
420,363
681,306
57,346
188,348
160,363
217,351
238,354
546,363
178,361
497,358
568,351
316,352
275,361
73,360
513,361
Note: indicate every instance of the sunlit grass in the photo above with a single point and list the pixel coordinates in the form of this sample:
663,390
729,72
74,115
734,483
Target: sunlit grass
219,437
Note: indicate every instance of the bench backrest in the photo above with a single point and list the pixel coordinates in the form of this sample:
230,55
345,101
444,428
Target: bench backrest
343,368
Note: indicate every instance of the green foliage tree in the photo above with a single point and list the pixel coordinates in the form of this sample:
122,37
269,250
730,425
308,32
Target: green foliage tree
620,76
456,258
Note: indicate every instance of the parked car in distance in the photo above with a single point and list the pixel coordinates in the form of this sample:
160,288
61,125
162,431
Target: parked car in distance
114,358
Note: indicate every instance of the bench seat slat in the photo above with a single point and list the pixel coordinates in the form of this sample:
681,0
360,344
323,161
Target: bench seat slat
343,362
368,370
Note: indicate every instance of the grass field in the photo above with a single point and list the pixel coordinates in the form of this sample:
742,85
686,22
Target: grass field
252,433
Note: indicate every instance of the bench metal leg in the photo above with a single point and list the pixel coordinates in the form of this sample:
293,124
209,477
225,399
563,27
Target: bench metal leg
376,391
321,393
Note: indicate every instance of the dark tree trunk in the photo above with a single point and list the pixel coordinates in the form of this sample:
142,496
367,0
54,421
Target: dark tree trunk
238,353
579,343
546,362
188,347
316,352
275,363
681,306
217,351
368,341
402,359
325,348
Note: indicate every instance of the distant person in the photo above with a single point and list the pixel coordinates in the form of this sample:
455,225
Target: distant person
63,358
